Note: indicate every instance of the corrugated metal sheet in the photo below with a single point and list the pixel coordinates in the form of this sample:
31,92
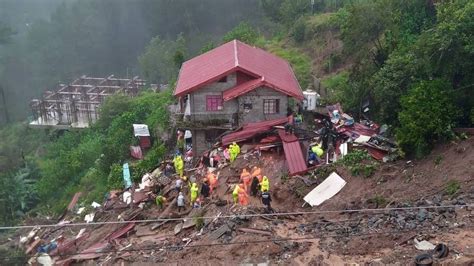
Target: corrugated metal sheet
120,232
293,153
93,252
241,89
252,129
237,56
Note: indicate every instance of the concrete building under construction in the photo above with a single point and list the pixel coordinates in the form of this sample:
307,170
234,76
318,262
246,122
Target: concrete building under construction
76,105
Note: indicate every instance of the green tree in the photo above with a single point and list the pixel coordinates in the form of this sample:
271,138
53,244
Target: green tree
17,194
243,32
162,59
428,115
362,28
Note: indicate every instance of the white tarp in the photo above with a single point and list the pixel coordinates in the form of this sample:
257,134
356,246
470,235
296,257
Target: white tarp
326,190
141,130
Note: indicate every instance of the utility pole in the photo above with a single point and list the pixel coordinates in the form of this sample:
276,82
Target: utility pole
4,105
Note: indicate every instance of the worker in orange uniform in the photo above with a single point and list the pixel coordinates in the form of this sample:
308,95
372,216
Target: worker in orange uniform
246,179
243,197
212,179
256,171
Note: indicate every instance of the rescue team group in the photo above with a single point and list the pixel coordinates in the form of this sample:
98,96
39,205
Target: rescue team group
253,183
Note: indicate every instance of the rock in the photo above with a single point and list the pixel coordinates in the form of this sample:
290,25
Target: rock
422,214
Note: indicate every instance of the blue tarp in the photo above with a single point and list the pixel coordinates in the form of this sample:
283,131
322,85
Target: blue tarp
126,176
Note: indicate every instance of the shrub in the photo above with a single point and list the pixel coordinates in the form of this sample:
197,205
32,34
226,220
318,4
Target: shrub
359,162
452,187
299,29
243,32
427,116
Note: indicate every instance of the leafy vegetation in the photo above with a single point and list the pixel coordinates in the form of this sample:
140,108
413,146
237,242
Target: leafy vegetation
452,187
299,61
412,60
89,161
359,162
378,200
427,116
162,58
246,33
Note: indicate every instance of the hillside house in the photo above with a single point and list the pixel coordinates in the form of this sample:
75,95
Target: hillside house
232,85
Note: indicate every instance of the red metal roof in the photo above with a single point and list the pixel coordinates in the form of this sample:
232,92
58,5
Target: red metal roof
252,129
237,56
241,89
293,153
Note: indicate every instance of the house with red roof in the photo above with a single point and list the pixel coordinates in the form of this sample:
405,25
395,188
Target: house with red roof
232,85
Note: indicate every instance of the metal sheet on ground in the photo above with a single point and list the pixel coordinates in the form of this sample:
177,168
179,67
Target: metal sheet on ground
326,190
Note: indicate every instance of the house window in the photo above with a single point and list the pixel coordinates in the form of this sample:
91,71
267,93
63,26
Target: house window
271,106
223,79
213,103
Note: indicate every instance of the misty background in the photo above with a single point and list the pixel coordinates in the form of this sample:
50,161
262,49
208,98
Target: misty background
47,42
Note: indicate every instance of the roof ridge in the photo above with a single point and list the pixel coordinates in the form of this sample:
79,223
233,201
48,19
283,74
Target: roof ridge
236,56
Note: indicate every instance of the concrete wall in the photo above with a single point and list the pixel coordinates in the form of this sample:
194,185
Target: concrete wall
255,98
198,101
199,143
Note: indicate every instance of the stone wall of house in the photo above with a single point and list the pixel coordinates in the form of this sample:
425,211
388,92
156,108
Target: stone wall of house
198,101
199,143
251,105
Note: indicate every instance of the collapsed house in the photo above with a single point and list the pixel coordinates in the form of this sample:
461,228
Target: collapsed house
231,86
76,105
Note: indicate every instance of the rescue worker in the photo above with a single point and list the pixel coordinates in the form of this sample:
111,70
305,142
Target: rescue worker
205,189
318,150
235,193
266,200
179,165
160,201
168,170
243,197
265,184
254,186
245,178
212,179
256,171
178,184
180,201
234,150
194,193
180,141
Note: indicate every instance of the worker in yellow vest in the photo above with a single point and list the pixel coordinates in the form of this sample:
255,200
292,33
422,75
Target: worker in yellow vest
265,184
194,193
179,165
318,150
235,193
234,151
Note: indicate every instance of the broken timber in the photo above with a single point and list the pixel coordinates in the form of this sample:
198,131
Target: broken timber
255,231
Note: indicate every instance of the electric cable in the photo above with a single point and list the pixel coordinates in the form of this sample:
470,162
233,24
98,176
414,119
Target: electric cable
341,211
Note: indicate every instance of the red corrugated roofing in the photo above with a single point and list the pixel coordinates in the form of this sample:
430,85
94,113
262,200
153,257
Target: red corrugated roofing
293,153
241,89
237,56
252,129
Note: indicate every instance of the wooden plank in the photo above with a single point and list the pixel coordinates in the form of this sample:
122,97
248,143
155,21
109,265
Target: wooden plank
255,231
